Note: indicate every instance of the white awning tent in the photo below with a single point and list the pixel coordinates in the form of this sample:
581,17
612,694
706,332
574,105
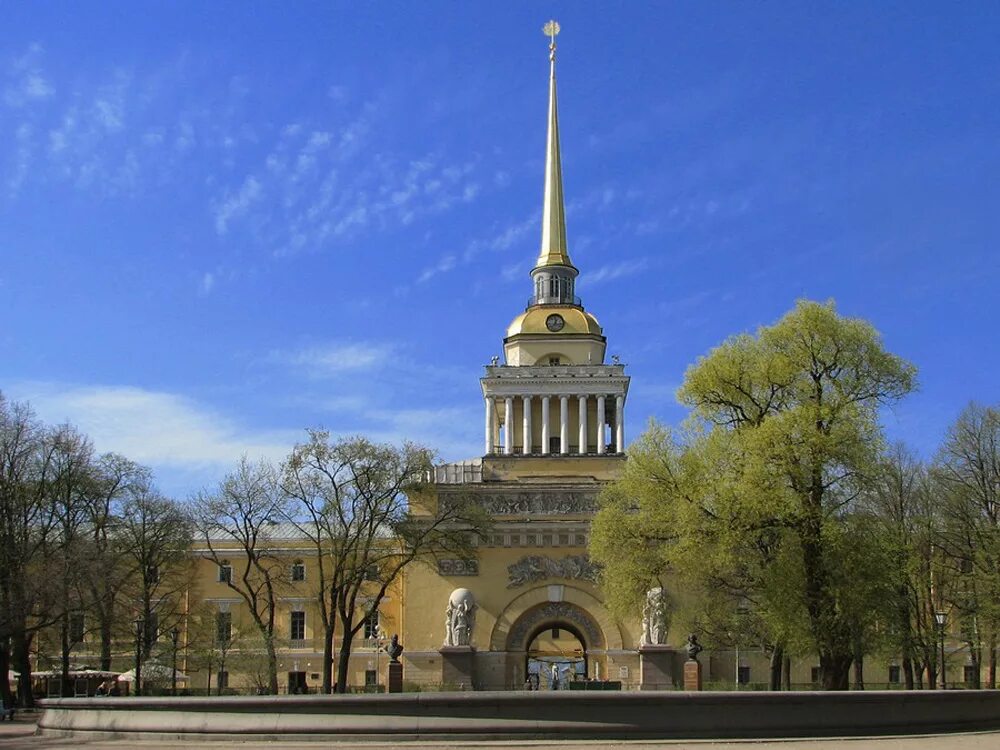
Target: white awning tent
152,673
77,673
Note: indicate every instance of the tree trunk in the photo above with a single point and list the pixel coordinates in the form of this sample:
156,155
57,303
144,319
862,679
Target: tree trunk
272,665
834,670
777,658
859,671
975,656
5,694
21,651
106,639
66,689
343,660
328,659
786,669
991,675
907,672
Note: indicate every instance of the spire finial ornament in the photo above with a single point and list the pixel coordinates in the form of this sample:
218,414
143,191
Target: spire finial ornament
554,251
551,30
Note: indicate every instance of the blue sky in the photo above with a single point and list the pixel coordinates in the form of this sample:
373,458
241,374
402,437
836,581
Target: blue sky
222,223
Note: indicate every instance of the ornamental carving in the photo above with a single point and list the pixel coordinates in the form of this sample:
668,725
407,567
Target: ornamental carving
533,568
537,503
555,613
454,567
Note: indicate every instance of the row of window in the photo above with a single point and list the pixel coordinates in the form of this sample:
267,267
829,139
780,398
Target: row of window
296,626
532,540
296,573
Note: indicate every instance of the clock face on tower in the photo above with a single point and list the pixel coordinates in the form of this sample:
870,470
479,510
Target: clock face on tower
554,322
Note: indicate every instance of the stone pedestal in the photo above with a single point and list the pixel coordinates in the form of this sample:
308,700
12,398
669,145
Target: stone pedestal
656,667
692,675
395,677
458,667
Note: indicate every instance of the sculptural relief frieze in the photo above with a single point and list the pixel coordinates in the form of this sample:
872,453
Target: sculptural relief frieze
456,567
534,568
538,503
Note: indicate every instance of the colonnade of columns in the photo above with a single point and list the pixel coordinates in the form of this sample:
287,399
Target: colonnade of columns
500,416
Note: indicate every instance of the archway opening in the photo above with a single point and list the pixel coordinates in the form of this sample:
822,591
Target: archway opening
556,655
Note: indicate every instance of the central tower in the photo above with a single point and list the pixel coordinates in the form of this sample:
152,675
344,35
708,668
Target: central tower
528,608
554,395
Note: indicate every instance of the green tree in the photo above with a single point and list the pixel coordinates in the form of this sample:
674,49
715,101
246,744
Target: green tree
784,436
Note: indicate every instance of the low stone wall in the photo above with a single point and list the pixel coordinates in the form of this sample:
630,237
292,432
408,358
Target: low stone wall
525,715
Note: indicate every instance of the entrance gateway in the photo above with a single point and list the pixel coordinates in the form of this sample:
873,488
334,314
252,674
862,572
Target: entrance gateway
555,638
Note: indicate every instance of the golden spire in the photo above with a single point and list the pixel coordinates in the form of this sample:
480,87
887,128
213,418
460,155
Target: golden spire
554,251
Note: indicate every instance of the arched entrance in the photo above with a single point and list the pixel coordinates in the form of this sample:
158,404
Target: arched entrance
556,655
555,638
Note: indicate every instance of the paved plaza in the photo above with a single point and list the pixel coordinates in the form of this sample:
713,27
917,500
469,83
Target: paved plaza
20,734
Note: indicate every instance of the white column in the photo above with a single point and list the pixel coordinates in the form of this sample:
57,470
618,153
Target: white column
526,408
600,425
583,424
508,425
564,425
490,428
619,424
545,425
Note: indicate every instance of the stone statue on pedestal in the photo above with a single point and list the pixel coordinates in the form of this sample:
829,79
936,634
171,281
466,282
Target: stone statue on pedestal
654,618
460,618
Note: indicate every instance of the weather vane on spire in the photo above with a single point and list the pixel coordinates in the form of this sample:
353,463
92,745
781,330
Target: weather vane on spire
551,29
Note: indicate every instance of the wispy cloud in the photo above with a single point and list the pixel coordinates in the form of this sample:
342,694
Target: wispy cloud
332,359
26,81
614,271
236,204
500,241
118,418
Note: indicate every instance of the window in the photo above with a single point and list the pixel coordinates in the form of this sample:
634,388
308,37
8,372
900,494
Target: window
225,572
970,674
222,679
893,674
529,540
553,360
371,678
76,627
563,540
298,571
581,540
814,675
298,626
153,627
371,625
371,573
223,627
743,675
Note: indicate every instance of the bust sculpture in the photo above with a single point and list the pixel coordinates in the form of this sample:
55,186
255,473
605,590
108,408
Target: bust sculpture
693,647
394,649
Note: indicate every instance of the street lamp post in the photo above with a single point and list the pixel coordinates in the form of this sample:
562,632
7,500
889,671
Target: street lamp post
378,653
940,617
173,684
138,623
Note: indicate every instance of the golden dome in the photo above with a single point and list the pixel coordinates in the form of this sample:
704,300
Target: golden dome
574,321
